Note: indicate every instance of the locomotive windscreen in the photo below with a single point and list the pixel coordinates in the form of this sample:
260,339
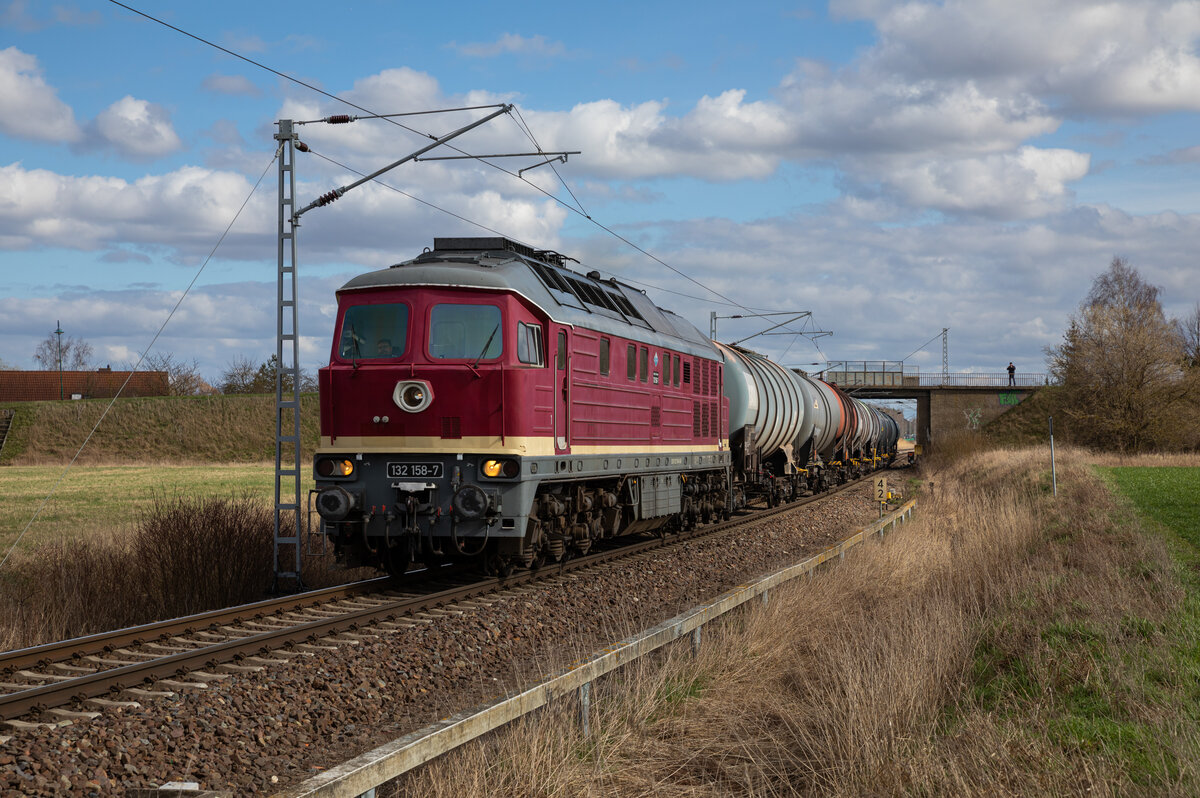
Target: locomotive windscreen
465,331
374,331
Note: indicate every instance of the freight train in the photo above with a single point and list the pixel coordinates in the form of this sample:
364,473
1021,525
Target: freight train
483,400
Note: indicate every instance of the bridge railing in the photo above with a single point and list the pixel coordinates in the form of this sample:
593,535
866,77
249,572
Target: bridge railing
850,380
1000,379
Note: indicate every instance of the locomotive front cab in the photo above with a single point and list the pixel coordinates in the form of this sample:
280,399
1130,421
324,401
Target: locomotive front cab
422,427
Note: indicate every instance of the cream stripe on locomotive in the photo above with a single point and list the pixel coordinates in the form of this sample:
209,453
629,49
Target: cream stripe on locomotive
523,447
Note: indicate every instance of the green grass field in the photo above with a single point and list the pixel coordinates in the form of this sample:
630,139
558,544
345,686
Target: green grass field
1170,496
105,499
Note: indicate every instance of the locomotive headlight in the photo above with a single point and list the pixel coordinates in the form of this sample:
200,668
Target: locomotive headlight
501,468
412,396
335,467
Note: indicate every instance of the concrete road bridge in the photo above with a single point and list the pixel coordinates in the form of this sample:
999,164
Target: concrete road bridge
946,402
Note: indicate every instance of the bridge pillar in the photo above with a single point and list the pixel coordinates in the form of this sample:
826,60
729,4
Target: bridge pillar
923,422
968,410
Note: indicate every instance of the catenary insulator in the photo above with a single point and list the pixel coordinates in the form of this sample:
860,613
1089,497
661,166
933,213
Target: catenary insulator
300,145
339,119
325,199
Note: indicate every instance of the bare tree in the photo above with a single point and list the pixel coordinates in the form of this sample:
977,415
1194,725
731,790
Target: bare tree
241,376
183,378
1189,331
1119,364
76,354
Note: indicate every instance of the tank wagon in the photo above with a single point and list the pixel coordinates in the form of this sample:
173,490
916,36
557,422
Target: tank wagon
484,400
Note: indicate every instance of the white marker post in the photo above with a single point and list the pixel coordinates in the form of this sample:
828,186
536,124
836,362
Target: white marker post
1053,472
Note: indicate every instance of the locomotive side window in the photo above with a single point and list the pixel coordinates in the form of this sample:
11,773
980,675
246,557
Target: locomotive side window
373,332
631,362
666,368
560,360
604,343
529,344
644,364
470,332
676,359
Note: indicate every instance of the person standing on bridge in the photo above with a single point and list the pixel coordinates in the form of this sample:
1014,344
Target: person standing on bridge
1012,373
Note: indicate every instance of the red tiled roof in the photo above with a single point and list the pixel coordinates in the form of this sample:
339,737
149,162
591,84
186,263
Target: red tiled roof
32,386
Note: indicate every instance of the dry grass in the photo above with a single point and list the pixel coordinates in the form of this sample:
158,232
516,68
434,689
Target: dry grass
1112,459
1000,645
181,556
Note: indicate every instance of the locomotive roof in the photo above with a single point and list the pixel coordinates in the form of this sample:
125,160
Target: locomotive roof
568,297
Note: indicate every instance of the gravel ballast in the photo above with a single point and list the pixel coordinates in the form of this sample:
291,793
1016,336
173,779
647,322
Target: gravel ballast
253,733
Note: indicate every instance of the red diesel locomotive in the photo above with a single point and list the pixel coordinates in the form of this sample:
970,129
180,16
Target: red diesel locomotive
484,400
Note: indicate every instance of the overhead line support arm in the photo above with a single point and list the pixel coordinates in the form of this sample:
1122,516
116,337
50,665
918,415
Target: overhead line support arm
331,196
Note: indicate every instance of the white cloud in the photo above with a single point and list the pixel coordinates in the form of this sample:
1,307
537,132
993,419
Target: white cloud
234,85
512,44
1115,57
1028,183
29,108
184,209
137,129
852,114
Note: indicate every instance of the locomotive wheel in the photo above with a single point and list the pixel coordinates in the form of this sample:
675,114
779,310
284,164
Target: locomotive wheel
500,566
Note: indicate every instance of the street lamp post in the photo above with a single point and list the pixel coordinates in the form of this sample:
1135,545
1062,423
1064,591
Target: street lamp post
58,330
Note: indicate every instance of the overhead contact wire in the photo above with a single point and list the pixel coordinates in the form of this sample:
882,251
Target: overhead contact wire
387,118
163,326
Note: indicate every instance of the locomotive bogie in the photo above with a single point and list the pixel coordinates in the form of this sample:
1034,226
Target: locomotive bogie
533,507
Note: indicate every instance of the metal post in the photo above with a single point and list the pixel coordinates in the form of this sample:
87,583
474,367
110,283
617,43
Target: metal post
945,353
287,367
585,706
58,330
1053,471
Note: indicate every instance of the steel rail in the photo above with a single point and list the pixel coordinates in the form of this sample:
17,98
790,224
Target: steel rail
132,635
16,704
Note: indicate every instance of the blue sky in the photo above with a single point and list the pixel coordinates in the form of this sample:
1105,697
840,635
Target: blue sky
894,167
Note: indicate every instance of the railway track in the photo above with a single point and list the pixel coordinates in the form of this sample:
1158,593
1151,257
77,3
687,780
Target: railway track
127,665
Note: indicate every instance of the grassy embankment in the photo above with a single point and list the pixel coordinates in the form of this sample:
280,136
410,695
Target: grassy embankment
1005,643
161,429
145,452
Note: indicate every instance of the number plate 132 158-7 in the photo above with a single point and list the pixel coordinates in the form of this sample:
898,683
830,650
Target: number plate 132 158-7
420,470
